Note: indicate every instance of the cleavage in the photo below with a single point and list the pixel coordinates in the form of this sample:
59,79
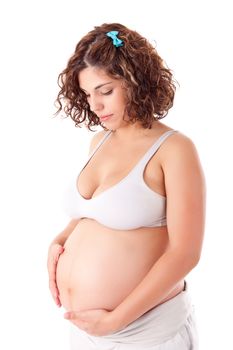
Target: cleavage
97,178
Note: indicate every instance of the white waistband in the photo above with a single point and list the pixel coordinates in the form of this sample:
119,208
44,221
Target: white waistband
154,327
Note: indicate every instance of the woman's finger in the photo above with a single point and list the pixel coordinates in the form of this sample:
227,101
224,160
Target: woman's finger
54,291
53,257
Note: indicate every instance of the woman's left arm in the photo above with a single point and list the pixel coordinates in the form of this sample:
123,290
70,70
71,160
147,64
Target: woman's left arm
185,191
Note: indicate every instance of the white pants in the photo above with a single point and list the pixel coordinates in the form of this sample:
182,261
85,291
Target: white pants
169,326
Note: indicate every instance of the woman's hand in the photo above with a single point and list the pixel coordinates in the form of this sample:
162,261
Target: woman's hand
55,250
97,322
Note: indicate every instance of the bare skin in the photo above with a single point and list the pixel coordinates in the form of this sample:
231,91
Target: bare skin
101,266
111,277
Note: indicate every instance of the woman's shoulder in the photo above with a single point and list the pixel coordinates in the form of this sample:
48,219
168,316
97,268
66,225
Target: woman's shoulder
179,150
96,138
176,140
179,143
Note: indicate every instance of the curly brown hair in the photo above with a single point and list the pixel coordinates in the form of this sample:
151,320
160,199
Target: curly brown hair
149,84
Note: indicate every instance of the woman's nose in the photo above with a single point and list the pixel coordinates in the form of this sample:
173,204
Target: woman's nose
95,104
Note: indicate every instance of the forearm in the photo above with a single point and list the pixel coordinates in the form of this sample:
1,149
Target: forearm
156,285
62,237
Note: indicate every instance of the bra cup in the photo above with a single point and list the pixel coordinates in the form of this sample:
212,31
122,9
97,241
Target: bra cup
127,205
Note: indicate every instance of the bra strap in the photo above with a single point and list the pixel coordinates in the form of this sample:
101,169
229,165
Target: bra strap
142,163
99,144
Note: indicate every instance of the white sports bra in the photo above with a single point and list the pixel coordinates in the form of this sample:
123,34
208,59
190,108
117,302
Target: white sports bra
127,205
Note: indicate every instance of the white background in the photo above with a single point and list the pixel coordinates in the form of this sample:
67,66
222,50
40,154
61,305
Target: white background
39,152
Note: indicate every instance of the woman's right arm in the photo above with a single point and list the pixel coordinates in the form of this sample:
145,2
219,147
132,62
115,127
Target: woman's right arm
62,237
56,248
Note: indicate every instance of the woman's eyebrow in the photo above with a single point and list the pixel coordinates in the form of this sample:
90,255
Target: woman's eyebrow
99,86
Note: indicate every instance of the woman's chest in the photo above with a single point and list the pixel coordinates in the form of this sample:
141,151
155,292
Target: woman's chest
104,172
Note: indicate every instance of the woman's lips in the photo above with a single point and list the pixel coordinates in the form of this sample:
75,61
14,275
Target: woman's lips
105,117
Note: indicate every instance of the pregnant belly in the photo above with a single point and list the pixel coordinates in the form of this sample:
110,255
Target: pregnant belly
100,266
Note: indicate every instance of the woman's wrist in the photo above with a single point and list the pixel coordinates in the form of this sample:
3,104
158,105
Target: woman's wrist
55,243
116,323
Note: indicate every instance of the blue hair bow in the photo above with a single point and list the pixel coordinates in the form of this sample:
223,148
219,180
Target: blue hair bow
116,41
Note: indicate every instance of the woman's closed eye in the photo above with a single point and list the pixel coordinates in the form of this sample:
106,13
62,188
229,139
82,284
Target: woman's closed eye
102,93
107,93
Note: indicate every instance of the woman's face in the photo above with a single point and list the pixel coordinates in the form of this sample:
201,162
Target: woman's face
105,96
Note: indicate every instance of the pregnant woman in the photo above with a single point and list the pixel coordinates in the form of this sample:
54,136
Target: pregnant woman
137,206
